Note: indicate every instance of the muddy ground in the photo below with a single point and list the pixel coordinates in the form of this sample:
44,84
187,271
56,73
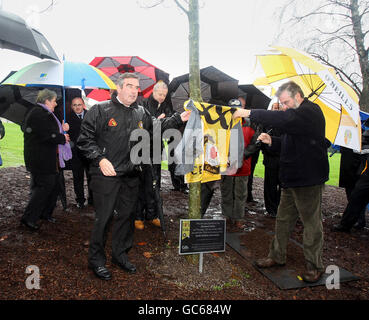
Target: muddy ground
59,251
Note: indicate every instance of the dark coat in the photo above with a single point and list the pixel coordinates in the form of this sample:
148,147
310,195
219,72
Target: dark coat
74,129
106,130
41,139
303,147
152,106
2,130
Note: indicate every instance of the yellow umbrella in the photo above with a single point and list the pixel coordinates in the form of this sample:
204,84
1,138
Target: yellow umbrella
320,85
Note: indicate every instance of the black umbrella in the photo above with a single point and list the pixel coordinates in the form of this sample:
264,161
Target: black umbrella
222,86
255,99
16,35
16,101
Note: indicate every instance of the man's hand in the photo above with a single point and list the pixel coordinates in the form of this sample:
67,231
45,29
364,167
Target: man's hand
107,168
67,138
162,116
241,113
185,115
265,138
65,126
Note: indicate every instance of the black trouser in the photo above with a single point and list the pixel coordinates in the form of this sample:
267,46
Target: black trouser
361,219
177,181
254,161
146,206
79,169
207,191
109,193
62,193
359,198
272,190
157,172
44,193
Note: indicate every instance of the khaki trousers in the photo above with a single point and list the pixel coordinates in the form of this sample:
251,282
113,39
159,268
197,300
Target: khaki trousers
303,202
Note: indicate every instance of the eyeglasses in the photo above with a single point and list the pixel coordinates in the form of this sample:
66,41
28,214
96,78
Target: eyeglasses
77,105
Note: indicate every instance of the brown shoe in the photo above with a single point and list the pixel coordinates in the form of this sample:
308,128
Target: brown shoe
312,276
156,222
139,225
267,263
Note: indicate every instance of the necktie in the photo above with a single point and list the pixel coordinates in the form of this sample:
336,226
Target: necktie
80,116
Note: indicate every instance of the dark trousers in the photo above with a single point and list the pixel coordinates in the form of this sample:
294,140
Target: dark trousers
62,192
146,205
254,161
358,200
177,181
109,193
207,191
79,170
157,172
272,190
43,196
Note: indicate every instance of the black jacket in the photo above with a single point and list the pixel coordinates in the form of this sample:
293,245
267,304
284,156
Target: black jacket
41,139
74,129
2,130
106,131
152,106
303,147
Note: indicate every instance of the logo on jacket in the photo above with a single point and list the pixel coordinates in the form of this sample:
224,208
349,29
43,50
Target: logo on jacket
112,123
140,124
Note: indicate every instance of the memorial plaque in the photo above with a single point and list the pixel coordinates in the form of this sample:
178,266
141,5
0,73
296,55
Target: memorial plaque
201,236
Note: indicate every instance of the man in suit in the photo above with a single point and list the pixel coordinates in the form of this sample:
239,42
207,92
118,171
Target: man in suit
78,162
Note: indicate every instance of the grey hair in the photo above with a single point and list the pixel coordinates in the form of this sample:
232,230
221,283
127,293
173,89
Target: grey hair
44,95
126,75
291,87
160,85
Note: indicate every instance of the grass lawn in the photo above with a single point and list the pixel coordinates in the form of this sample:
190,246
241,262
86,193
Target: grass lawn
11,146
11,150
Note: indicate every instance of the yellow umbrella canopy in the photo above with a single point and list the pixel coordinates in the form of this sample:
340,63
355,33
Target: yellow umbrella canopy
320,85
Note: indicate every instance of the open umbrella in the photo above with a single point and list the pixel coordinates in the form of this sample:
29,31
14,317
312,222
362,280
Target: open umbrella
62,75
16,35
114,66
255,98
320,84
222,86
16,101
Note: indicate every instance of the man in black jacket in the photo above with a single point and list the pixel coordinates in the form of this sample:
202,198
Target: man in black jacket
304,169
78,162
105,140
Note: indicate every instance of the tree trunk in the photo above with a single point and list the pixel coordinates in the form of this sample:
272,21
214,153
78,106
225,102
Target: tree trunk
362,53
194,205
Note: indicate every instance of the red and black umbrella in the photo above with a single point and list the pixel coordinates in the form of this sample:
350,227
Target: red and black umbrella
114,66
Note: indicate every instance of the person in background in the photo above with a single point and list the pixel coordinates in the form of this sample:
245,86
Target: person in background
272,184
304,169
2,134
79,164
46,148
159,107
234,187
359,196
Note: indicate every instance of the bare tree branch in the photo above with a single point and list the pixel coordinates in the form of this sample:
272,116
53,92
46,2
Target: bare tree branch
181,7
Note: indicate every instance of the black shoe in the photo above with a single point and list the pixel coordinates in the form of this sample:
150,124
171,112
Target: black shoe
359,226
30,225
101,272
340,228
49,219
80,205
126,266
184,190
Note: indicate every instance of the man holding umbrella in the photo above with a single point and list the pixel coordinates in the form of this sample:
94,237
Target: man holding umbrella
105,140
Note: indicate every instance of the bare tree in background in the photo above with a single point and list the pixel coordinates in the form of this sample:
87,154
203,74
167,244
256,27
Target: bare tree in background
337,33
191,10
